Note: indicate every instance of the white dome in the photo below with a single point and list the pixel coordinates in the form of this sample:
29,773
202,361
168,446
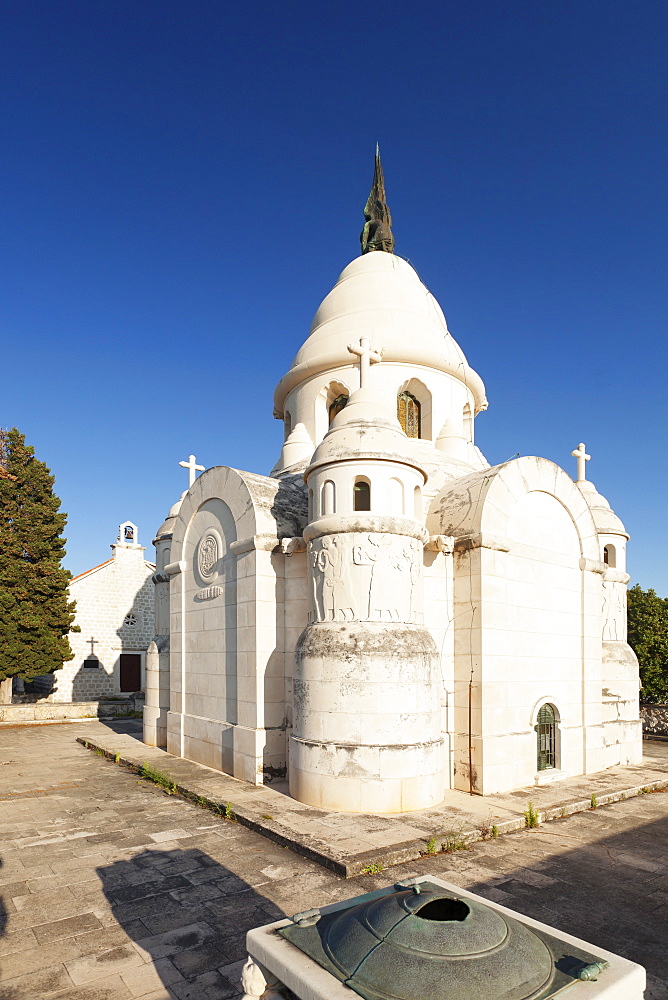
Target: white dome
605,519
380,296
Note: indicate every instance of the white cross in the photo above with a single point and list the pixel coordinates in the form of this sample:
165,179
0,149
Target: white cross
581,454
193,468
368,356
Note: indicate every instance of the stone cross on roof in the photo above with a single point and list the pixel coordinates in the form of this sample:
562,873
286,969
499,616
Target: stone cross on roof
368,356
193,468
581,454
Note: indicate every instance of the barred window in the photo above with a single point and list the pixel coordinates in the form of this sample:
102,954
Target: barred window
408,414
546,732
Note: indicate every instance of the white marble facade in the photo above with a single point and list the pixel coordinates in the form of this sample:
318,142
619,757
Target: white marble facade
115,613
385,616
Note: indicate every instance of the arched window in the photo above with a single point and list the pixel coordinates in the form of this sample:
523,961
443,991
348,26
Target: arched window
546,733
610,556
287,425
408,414
337,405
310,505
361,495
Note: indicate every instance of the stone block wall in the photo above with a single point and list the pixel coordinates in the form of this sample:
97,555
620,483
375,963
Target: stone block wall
654,719
114,608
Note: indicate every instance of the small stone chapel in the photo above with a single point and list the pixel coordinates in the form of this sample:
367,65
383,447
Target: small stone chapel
115,615
385,615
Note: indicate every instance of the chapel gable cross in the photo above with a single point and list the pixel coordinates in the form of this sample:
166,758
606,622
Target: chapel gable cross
193,468
581,454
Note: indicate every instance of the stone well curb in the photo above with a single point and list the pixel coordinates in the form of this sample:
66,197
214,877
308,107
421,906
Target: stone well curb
347,865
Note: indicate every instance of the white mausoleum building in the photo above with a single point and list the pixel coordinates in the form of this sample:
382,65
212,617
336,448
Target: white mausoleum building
386,616
115,612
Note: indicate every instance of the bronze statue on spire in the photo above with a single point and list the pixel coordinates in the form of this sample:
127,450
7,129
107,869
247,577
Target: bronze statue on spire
377,232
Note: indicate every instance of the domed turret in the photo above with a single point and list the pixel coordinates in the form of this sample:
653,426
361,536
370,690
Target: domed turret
425,378
380,296
365,541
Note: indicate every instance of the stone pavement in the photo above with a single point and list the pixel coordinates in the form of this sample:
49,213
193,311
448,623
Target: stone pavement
348,843
112,889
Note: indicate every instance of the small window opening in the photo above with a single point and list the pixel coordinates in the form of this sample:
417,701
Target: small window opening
310,504
546,733
337,406
129,533
443,909
609,556
408,414
361,496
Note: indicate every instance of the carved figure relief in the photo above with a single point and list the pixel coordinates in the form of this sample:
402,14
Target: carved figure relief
365,577
613,611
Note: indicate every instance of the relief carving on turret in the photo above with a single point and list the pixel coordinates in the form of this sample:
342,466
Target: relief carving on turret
614,611
365,577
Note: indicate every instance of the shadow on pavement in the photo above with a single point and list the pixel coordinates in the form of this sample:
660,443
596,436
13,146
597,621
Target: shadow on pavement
189,915
611,892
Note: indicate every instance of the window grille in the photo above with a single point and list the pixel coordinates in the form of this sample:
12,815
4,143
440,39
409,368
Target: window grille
546,732
408,414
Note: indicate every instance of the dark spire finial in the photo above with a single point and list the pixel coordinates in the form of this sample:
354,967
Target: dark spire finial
377,232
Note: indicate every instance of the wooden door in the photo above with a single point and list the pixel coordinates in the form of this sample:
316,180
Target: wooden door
130,672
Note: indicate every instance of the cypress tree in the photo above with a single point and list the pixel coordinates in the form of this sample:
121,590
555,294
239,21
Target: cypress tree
35,612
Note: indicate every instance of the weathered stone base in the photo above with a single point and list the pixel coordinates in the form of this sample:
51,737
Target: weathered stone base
367,734
44,710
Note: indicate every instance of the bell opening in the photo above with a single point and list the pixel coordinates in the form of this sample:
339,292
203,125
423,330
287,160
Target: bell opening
443,909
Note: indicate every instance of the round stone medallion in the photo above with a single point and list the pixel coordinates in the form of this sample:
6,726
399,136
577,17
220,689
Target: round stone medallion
208,553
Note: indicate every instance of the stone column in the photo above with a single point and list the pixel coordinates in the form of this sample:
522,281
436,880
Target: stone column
367,734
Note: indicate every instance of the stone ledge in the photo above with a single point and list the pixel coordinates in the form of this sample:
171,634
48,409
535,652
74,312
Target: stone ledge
41,711
352,844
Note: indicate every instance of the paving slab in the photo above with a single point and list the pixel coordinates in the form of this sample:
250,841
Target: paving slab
351,844
600,874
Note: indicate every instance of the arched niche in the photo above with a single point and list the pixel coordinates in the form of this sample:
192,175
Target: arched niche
328,498
414,409
467,421
395,497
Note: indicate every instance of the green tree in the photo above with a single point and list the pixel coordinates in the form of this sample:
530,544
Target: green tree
648,636
35,612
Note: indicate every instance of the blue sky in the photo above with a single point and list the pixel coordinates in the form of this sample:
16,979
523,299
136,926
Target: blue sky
183,182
